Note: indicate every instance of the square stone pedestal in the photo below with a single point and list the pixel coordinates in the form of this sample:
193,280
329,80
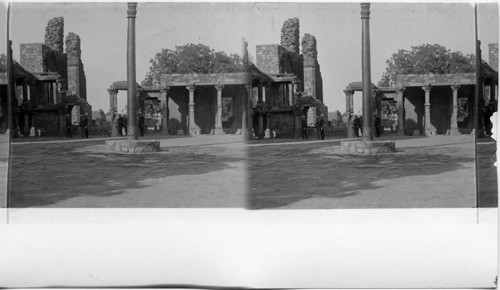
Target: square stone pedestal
368,147
132,146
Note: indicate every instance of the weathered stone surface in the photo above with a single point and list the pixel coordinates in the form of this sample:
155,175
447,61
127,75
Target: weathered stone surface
309,50
290,35
132,146
73,45
54,34
368,147
204,79
435,79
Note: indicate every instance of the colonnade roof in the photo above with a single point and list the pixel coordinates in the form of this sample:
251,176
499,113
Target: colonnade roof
173,80
435,80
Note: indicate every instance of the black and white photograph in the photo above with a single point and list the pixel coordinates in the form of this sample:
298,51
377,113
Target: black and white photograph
265,137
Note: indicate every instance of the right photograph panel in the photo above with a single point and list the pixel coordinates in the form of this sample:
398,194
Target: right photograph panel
372,105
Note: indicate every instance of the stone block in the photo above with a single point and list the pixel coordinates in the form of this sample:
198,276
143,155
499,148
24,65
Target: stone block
180,132
238,132
416,133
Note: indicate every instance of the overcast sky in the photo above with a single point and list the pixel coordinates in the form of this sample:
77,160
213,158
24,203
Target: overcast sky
337,27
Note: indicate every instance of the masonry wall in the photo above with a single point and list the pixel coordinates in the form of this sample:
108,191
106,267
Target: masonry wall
268,58
284,122
33,56
441,99
414,110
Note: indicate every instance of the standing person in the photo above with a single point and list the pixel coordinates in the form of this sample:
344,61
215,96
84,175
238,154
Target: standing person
378,123
322,126
303,122
488,125
85,125
320,123
120,124
356,124
141,124
81,126
361,125
125,124
68,126
255,123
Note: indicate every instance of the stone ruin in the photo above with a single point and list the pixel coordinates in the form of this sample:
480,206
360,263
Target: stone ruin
73,45
309,47
54,34
290,35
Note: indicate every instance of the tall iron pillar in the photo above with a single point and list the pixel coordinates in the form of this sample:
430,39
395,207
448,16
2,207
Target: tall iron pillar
131,81
367,82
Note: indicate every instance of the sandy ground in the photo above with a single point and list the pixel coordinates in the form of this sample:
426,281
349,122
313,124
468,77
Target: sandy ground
424,173
223,171
188,172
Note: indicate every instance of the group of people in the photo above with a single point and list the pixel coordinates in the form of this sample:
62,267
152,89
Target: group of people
84,125
122,122
320,127
357,125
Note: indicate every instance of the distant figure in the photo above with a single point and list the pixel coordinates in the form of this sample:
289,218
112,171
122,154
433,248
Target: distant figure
68,126
85,125
356,124
141,124
303,122
320,123
255,123
81,126
488,125
125,120
377,123
120,124
361,125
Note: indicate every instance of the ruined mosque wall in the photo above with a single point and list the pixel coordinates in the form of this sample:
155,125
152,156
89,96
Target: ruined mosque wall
76,74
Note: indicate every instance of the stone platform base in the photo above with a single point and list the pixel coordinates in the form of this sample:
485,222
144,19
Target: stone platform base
134,146
368,147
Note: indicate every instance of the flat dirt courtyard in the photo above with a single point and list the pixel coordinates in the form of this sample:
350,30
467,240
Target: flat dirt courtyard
426,172
203,171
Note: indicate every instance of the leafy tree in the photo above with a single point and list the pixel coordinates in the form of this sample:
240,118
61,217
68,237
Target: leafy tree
424,59
3,63
191,58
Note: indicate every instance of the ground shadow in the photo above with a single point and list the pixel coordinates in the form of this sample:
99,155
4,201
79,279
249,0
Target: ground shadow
44,174
277,179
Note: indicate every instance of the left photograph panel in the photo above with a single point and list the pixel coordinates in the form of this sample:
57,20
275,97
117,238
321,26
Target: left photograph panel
5,66
127,105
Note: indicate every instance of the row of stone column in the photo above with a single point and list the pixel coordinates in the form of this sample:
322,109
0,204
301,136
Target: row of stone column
53,89
192,127
288,93
429,129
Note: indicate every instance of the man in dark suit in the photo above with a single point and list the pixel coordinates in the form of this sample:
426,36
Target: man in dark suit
303,123
68,126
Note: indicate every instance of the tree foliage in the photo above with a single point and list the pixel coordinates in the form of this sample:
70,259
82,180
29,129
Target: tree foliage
3,63
425,59
191,58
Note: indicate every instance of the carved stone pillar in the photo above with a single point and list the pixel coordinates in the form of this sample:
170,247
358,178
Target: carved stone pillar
28,92
290,95
132,128
113,101
454,114
193,129
349,102
218,117
164,110
54,92
400,103
260,93
245,115
429,129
